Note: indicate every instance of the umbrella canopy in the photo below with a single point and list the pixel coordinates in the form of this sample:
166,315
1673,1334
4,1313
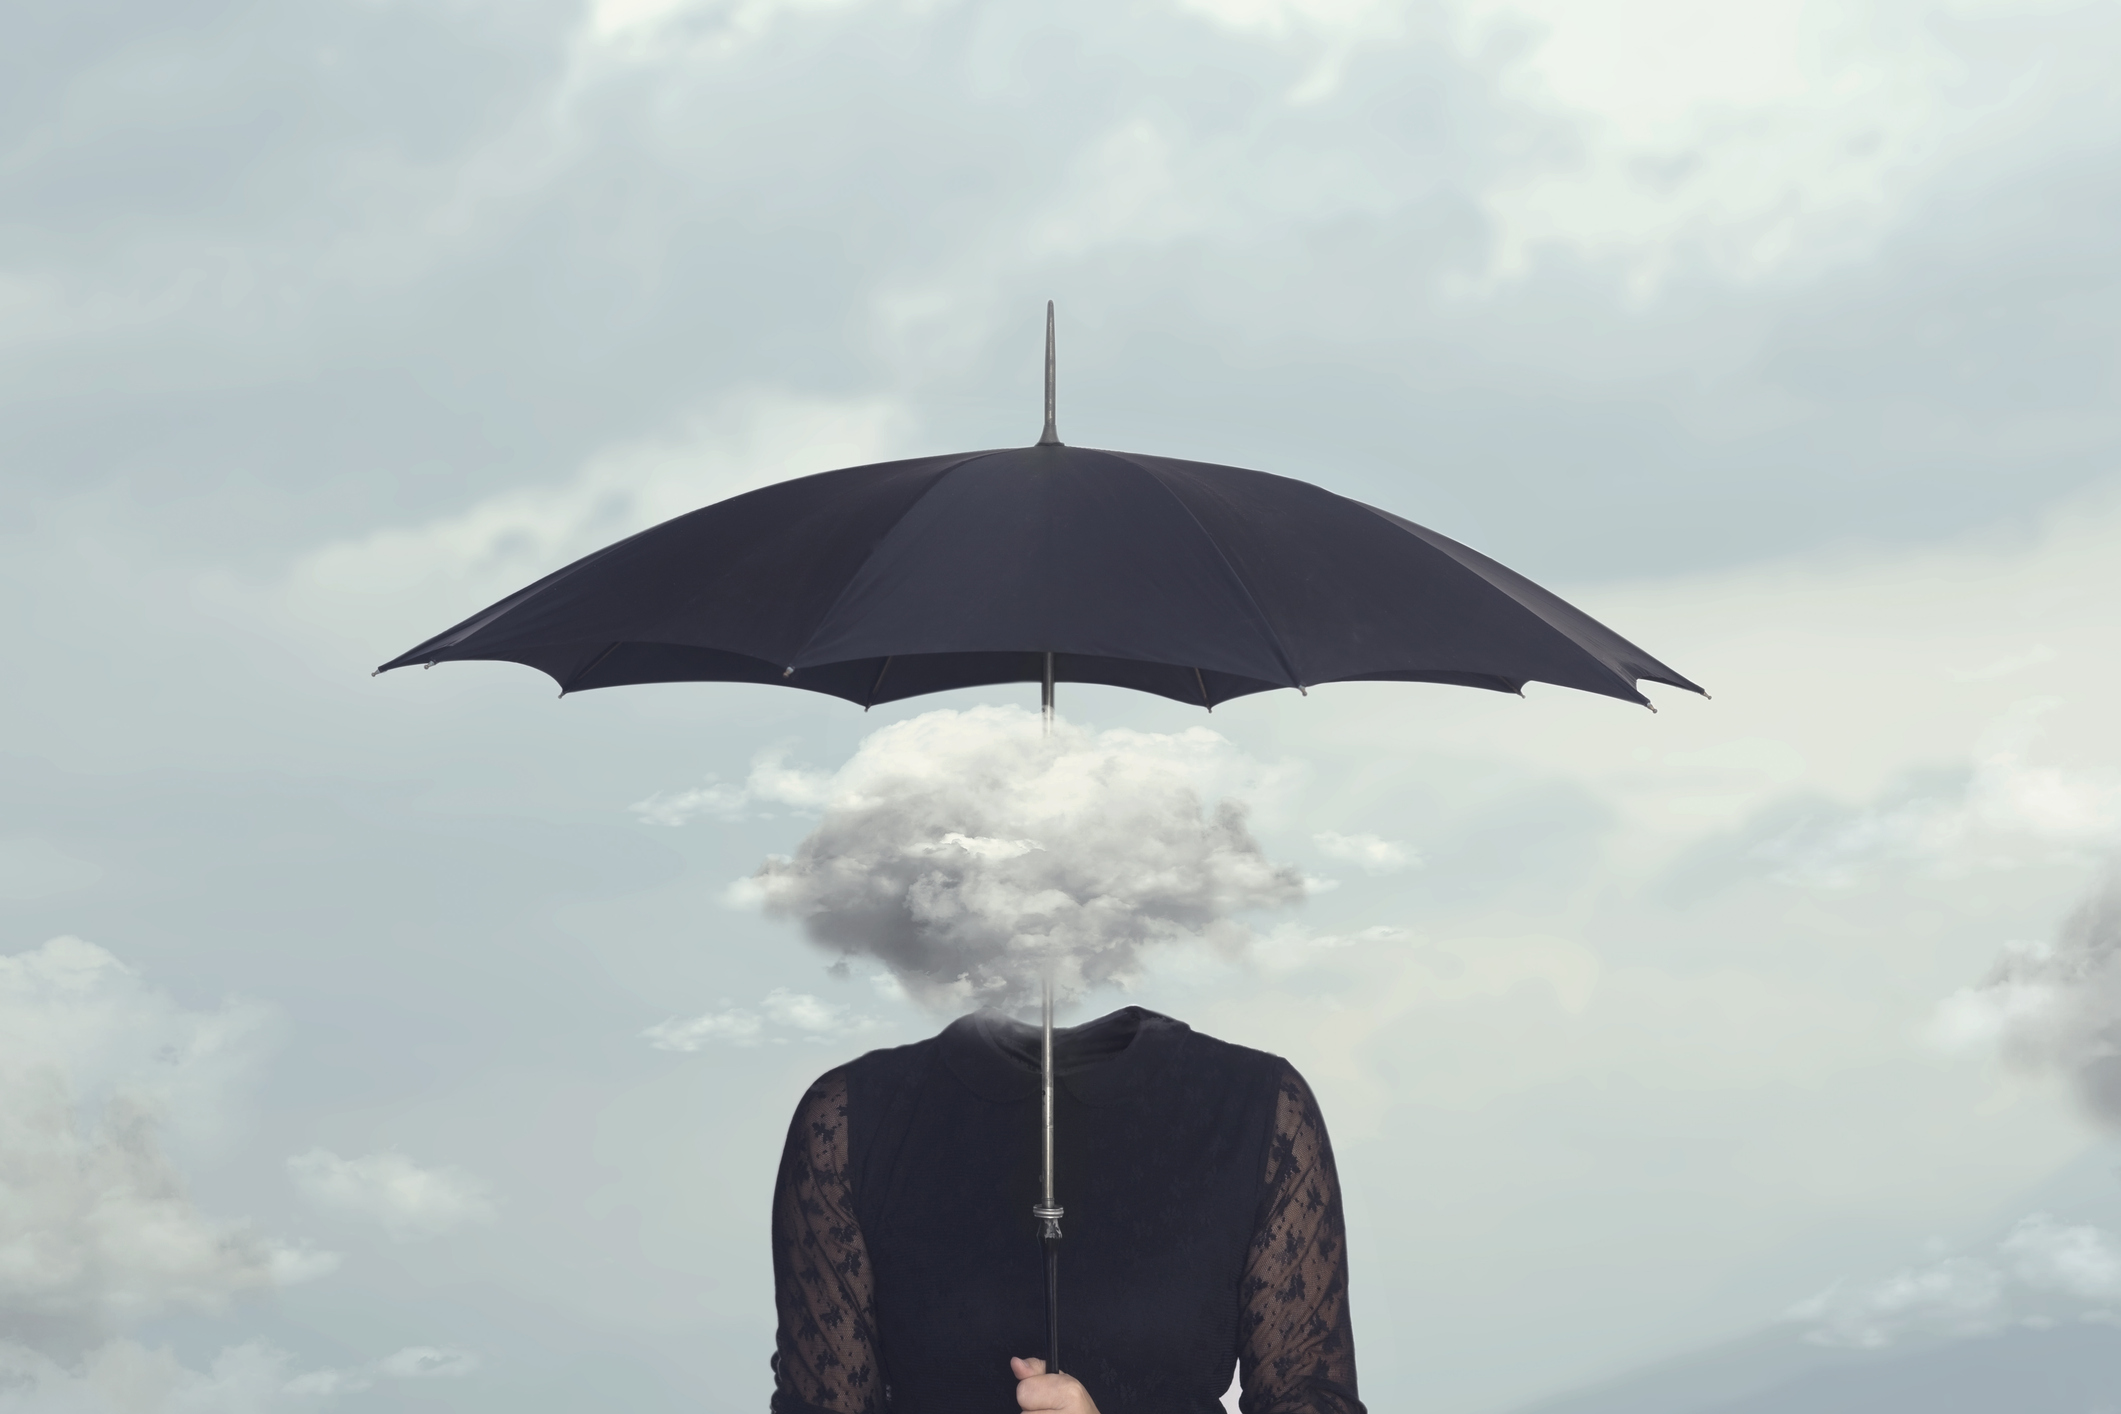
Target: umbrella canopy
1195,582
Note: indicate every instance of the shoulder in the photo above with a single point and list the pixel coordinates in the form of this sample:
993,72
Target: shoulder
1242,1085
1271,1083
848,1093
879,1066
887,1067
837,1121
819,1127
1216,1056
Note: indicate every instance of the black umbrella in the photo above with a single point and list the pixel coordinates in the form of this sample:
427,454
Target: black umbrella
1195,582
1048,564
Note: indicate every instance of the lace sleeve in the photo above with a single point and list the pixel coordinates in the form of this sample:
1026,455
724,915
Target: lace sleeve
825,1351
1296,1351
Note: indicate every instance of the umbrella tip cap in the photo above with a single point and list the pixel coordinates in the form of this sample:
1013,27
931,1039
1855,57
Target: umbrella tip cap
1051,436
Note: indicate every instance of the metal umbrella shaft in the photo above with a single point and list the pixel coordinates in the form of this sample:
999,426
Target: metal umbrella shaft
1047,1210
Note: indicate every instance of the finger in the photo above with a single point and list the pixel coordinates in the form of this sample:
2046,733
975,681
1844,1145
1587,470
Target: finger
1050,1394
1026,1368
1035,1396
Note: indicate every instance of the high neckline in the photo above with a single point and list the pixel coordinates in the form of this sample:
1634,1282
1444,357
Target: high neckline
985,1051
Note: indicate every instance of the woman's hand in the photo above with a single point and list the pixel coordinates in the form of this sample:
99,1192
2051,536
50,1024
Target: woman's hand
1059,1394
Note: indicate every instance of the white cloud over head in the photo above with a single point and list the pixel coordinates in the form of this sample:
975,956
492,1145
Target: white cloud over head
387,1188
96,1230
970,853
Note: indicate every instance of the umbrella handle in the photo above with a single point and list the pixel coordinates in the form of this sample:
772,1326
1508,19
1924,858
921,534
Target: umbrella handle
1052,1245
1048,1211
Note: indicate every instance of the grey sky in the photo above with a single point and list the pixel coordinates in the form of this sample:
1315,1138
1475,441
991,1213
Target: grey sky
1782,337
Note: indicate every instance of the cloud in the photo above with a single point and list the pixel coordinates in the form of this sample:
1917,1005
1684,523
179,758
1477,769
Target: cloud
96,1231
414,1362
388,1188
782,1012
1655,134
1956,1297
125,1377
969,852
2079,1261
1752,139
2039,1261
731,1024
2002,810
73,1013
1374,855
771,782
2055,1006
1291,948
95,1228
388,584
714,28
1275,18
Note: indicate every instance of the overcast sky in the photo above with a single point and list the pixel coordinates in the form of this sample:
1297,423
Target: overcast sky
400,1043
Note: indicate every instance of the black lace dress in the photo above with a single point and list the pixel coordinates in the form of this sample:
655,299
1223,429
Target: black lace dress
1203,1227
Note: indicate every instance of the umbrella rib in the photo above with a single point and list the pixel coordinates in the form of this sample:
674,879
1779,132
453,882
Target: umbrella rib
856,573
878,683
1259,615
1625,679
593,664
430,650
493,613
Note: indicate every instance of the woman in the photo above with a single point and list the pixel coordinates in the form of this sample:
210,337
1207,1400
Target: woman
1203,1227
